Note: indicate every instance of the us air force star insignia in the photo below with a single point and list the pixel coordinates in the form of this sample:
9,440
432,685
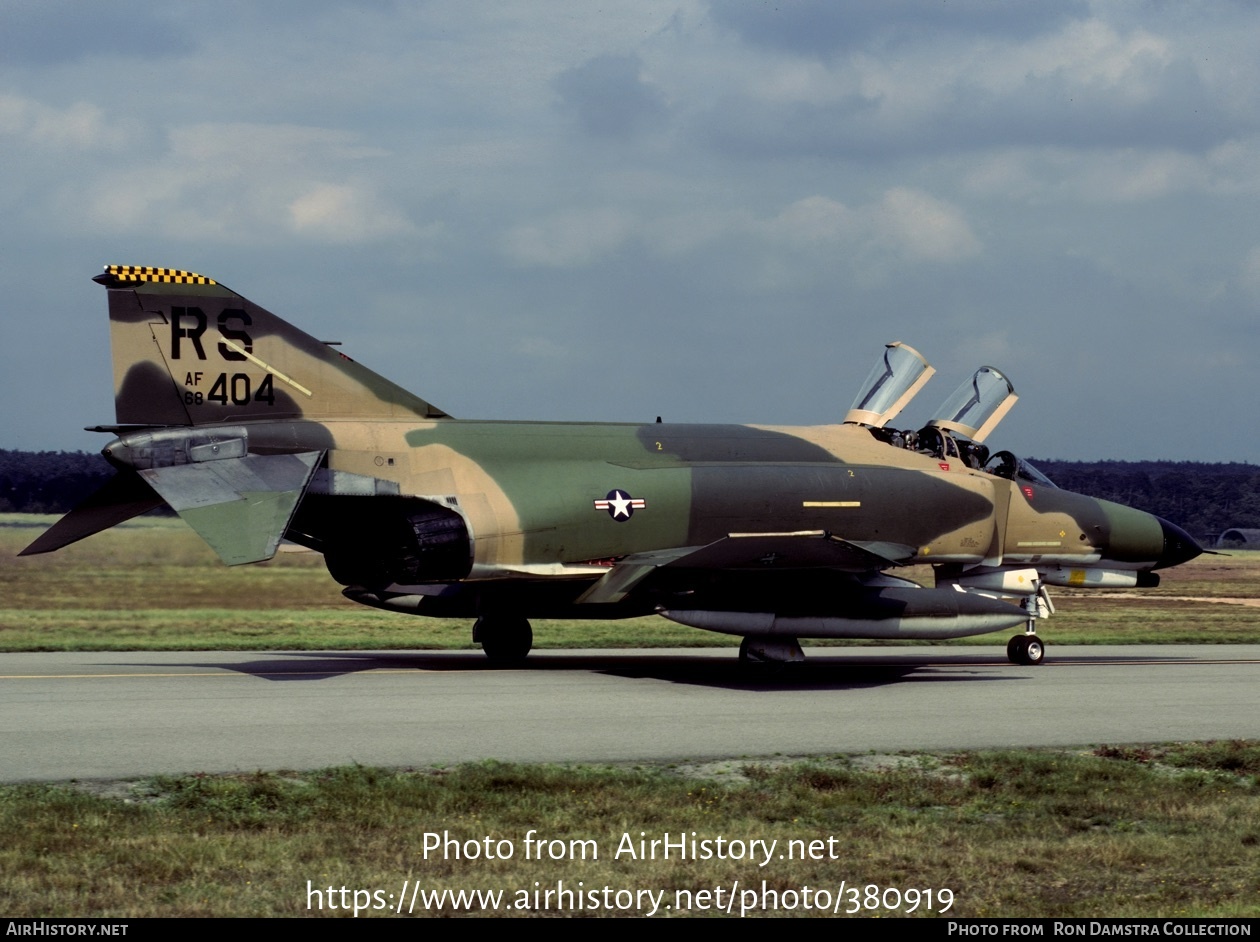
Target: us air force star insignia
620,505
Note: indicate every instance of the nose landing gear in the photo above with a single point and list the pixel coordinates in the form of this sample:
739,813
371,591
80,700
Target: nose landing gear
1026,649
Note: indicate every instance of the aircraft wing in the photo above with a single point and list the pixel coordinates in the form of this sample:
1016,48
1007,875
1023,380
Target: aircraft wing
807,549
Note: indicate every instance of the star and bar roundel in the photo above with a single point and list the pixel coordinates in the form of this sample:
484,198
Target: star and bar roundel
620,505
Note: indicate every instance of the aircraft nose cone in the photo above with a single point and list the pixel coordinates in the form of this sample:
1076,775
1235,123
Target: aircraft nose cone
1179,546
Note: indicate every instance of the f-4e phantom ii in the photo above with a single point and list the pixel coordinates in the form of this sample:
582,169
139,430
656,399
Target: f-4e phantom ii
255,432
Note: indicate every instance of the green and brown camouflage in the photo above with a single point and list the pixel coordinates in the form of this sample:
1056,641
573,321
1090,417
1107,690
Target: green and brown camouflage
254,432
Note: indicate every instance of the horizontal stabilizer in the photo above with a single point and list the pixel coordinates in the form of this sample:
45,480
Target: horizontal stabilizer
124,496
240,506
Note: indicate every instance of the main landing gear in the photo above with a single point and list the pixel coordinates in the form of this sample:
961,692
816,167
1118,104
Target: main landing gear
505,639
767,655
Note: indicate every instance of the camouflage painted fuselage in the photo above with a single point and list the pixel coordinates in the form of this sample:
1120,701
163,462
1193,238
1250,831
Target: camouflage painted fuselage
529,492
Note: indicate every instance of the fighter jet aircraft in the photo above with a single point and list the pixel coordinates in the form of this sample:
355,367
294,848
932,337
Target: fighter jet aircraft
255,432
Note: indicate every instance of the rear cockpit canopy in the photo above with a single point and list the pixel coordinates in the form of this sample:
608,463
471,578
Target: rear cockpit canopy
977,406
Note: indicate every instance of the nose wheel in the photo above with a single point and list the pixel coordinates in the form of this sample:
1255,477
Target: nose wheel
1026,649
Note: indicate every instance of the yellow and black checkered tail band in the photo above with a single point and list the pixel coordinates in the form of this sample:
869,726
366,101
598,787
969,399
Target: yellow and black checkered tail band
170,275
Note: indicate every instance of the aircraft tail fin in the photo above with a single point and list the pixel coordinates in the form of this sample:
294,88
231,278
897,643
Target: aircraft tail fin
189,351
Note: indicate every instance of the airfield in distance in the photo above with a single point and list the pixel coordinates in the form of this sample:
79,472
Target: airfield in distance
132,714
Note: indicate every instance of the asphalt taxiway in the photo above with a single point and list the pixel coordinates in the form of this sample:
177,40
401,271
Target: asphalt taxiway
123,714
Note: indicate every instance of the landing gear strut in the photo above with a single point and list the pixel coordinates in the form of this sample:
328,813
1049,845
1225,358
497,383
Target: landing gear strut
1028,649
505,639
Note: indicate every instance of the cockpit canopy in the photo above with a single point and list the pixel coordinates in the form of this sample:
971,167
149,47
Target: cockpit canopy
959,427
894,381
1006,464
977,406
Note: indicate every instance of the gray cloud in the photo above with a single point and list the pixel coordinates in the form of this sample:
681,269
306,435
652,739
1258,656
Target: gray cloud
47,32
609,97
823,27
1087,86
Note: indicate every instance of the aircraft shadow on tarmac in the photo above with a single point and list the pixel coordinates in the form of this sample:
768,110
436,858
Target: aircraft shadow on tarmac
818,673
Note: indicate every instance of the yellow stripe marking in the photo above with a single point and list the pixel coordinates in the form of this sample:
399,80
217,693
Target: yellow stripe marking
831,503
1039,543
270,369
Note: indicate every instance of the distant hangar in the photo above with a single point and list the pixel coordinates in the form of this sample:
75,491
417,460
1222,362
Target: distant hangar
1239,538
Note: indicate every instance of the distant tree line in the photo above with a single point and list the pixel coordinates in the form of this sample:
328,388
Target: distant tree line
1203,498
46,482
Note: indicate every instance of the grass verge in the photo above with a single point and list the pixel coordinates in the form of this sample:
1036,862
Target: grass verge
1169,830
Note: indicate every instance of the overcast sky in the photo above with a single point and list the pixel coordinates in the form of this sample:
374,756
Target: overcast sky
710,211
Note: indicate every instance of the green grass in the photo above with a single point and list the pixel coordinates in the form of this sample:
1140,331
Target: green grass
1154,831
152,584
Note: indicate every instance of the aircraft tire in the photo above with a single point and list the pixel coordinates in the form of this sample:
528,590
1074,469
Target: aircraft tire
505,639
1028,650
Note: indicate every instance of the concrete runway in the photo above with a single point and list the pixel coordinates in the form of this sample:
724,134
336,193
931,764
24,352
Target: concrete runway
117,715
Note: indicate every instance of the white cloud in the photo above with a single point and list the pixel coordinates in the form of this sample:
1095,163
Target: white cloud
813,220
237,182
344,213
1084,52
1089,83
1114,175
924,227
82,126
568,240
905,222
1249,273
